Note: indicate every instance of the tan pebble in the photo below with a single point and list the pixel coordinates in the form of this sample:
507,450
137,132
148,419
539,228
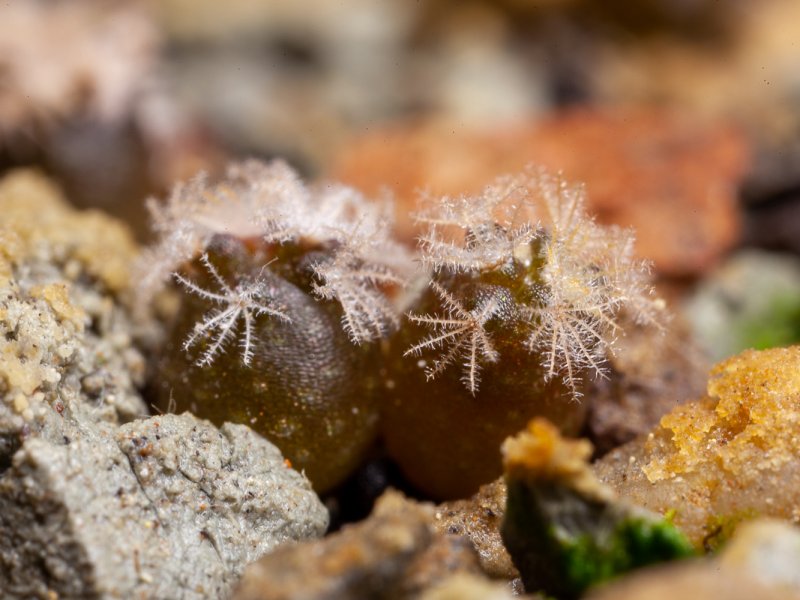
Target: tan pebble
20,403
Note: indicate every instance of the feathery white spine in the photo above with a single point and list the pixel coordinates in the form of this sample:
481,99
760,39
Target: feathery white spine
463,330
246,300
355,283
487,247
489,241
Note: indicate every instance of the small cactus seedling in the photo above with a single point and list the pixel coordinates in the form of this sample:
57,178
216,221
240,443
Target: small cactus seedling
525,301
282,286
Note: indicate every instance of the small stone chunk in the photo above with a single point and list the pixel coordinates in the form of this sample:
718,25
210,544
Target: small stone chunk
469,587
478,518
396,553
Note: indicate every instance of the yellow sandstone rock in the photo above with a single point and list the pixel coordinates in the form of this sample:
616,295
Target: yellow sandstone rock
65,333
36,218
728,457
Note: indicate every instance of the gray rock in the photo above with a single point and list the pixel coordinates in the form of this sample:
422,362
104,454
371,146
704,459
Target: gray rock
67,512
751,301
225,495
168,507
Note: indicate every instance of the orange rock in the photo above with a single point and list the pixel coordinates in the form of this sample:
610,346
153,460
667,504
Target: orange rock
669,178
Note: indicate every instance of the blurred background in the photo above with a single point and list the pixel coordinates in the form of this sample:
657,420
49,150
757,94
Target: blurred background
681,116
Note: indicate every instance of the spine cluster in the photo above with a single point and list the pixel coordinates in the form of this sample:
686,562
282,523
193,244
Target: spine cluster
535,257
570,279
270,203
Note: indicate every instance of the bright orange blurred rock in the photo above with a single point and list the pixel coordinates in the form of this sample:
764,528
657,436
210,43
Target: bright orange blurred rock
670,178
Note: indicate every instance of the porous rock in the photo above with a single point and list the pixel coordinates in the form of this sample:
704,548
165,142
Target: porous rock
67,347
478,518
725,458
165,507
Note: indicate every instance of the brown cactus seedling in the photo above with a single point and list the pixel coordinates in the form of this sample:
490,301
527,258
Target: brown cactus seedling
282,287
523,305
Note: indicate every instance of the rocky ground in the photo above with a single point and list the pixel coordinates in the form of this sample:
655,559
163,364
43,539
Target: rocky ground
293,379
